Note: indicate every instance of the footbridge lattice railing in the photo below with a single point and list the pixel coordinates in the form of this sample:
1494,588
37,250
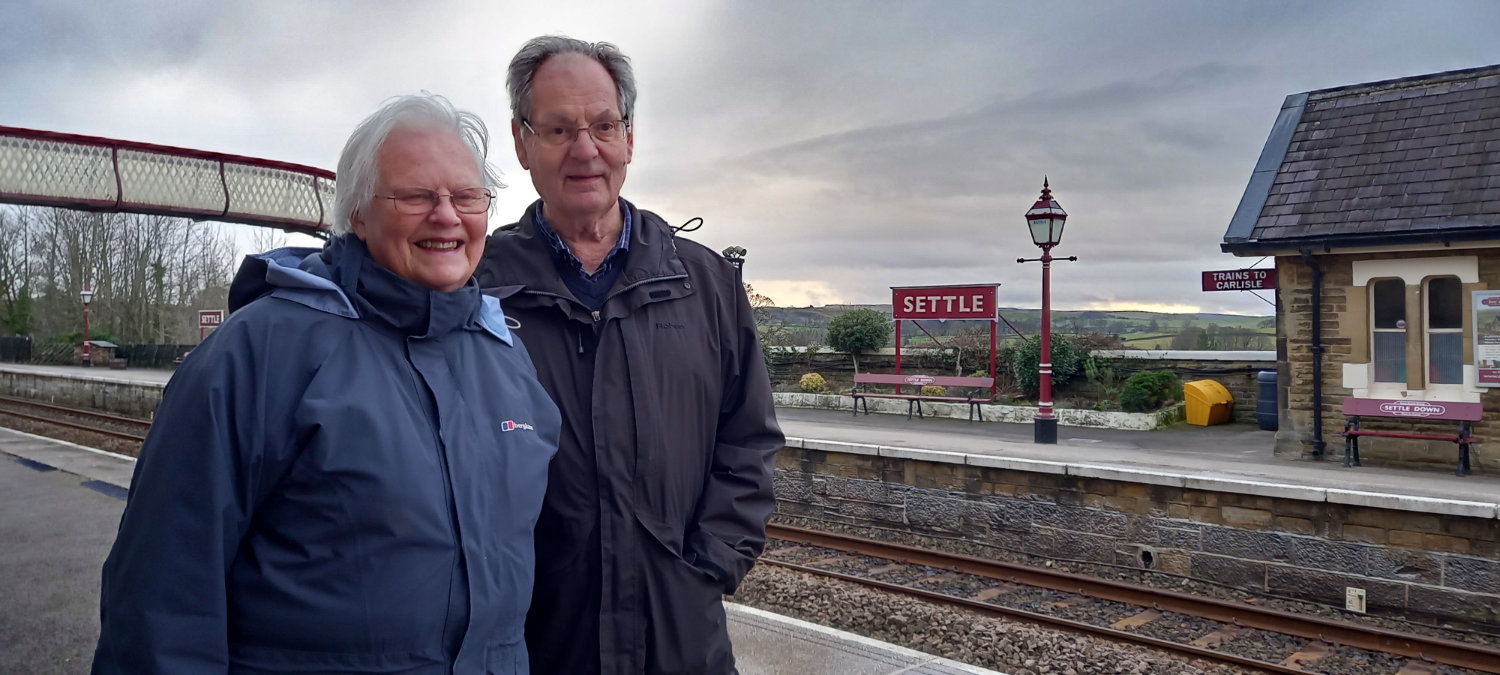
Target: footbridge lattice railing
99,174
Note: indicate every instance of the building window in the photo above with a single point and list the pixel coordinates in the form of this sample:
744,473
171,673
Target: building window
1417,314
1445,330
1388,300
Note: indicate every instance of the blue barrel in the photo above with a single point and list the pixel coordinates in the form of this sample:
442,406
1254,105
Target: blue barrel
1265,402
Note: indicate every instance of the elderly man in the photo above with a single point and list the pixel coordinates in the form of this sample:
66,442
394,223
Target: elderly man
658,498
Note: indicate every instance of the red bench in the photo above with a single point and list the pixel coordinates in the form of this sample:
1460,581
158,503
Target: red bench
862,382
1460,413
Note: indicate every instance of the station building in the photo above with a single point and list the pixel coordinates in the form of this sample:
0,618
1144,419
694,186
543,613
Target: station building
1380,203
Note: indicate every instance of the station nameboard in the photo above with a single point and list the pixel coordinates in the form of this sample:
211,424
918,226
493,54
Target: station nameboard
208,319
1239,280
945,302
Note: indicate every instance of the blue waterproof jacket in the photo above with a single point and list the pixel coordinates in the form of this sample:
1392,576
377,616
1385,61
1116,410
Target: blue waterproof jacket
344,477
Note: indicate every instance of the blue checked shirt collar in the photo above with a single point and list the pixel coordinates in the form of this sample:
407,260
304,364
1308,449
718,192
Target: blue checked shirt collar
565,255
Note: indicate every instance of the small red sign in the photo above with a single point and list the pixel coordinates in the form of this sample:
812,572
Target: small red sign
1492,301
1239,280
945,302
208,319
919,380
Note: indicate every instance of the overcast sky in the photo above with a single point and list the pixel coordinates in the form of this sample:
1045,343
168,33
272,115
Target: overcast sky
850,146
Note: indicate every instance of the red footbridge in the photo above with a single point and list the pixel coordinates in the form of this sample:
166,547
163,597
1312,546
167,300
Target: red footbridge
88,173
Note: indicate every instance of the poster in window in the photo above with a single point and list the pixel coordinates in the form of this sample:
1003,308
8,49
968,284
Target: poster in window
1487,337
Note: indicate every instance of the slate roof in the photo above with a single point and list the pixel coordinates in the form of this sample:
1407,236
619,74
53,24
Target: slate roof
1407,160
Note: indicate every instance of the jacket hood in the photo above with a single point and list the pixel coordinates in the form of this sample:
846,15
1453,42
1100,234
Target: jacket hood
327,280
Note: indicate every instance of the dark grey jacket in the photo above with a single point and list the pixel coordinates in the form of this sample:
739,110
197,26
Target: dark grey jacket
659,495
343,478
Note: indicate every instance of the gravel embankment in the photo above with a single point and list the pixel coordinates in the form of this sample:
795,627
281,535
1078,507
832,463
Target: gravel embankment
1008,646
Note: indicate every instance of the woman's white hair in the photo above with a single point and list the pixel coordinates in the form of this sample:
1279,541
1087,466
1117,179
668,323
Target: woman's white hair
357,173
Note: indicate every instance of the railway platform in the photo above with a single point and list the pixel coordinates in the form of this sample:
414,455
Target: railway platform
1233,458
60,505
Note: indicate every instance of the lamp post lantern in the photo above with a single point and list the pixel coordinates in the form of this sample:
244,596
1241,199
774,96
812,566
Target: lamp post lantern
87,296
1045,220
736,257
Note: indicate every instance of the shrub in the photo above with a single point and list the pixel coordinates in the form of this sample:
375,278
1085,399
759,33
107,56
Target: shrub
1025,360
857,331
1103,376
934,390
813,383
1149,389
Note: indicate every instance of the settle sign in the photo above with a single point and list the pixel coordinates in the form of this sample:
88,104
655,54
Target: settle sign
208,319
1239,280
945,302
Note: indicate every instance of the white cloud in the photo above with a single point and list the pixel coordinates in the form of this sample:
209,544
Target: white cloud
850,146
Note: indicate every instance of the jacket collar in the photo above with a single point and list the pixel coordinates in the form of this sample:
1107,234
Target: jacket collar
518,256
343,280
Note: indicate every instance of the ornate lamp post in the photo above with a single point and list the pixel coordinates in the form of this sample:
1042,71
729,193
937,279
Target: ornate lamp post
87,296
1046,219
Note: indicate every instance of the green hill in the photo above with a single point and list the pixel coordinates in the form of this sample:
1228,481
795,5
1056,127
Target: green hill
1143,330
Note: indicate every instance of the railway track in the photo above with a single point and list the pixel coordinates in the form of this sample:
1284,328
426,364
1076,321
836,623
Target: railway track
1217,630
113,426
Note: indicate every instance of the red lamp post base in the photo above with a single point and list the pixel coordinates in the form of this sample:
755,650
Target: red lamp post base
1045,429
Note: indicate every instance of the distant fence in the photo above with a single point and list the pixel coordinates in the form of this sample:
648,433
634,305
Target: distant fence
22,349
151,356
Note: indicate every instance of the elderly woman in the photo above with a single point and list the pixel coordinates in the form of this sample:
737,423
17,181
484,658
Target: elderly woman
345,476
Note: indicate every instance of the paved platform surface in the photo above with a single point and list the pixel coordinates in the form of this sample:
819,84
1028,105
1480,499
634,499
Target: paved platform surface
144,375
1227,453
60,507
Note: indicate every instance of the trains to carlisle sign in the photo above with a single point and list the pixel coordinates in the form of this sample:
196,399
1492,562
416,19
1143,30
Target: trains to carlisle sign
944,302
1239,280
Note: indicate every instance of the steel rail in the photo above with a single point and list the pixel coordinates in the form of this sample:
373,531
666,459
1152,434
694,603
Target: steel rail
1426,648
78,411
75,425
1069,624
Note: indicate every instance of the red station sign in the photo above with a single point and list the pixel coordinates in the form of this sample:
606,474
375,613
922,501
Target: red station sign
208,319
1239,280
945,302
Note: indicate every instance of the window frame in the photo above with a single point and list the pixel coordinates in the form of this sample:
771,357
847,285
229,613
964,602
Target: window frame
1374,329
1428,331
1359,378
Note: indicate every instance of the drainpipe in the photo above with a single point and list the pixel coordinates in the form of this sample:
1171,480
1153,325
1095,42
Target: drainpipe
1317,351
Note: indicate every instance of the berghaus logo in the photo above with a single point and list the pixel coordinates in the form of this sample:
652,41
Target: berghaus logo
512,425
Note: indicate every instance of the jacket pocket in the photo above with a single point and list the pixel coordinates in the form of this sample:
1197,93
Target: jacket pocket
253,659
506,658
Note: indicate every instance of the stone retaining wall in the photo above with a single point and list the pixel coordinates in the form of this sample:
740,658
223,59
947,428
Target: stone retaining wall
1438,564
132,399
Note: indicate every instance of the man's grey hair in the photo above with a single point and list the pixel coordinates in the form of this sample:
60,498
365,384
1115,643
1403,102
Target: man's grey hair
537,50
358,173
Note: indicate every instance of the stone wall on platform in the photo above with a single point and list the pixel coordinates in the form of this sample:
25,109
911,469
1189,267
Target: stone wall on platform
1439,564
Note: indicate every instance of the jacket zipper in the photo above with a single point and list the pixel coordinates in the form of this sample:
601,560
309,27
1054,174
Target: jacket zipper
578,333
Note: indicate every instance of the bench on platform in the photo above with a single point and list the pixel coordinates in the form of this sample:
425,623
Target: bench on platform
1461,414
862,382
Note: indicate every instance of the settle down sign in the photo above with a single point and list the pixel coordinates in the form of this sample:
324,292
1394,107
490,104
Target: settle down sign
1239,280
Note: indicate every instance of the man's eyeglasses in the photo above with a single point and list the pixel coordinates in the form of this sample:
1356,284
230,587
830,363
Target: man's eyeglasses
611,131
420,202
